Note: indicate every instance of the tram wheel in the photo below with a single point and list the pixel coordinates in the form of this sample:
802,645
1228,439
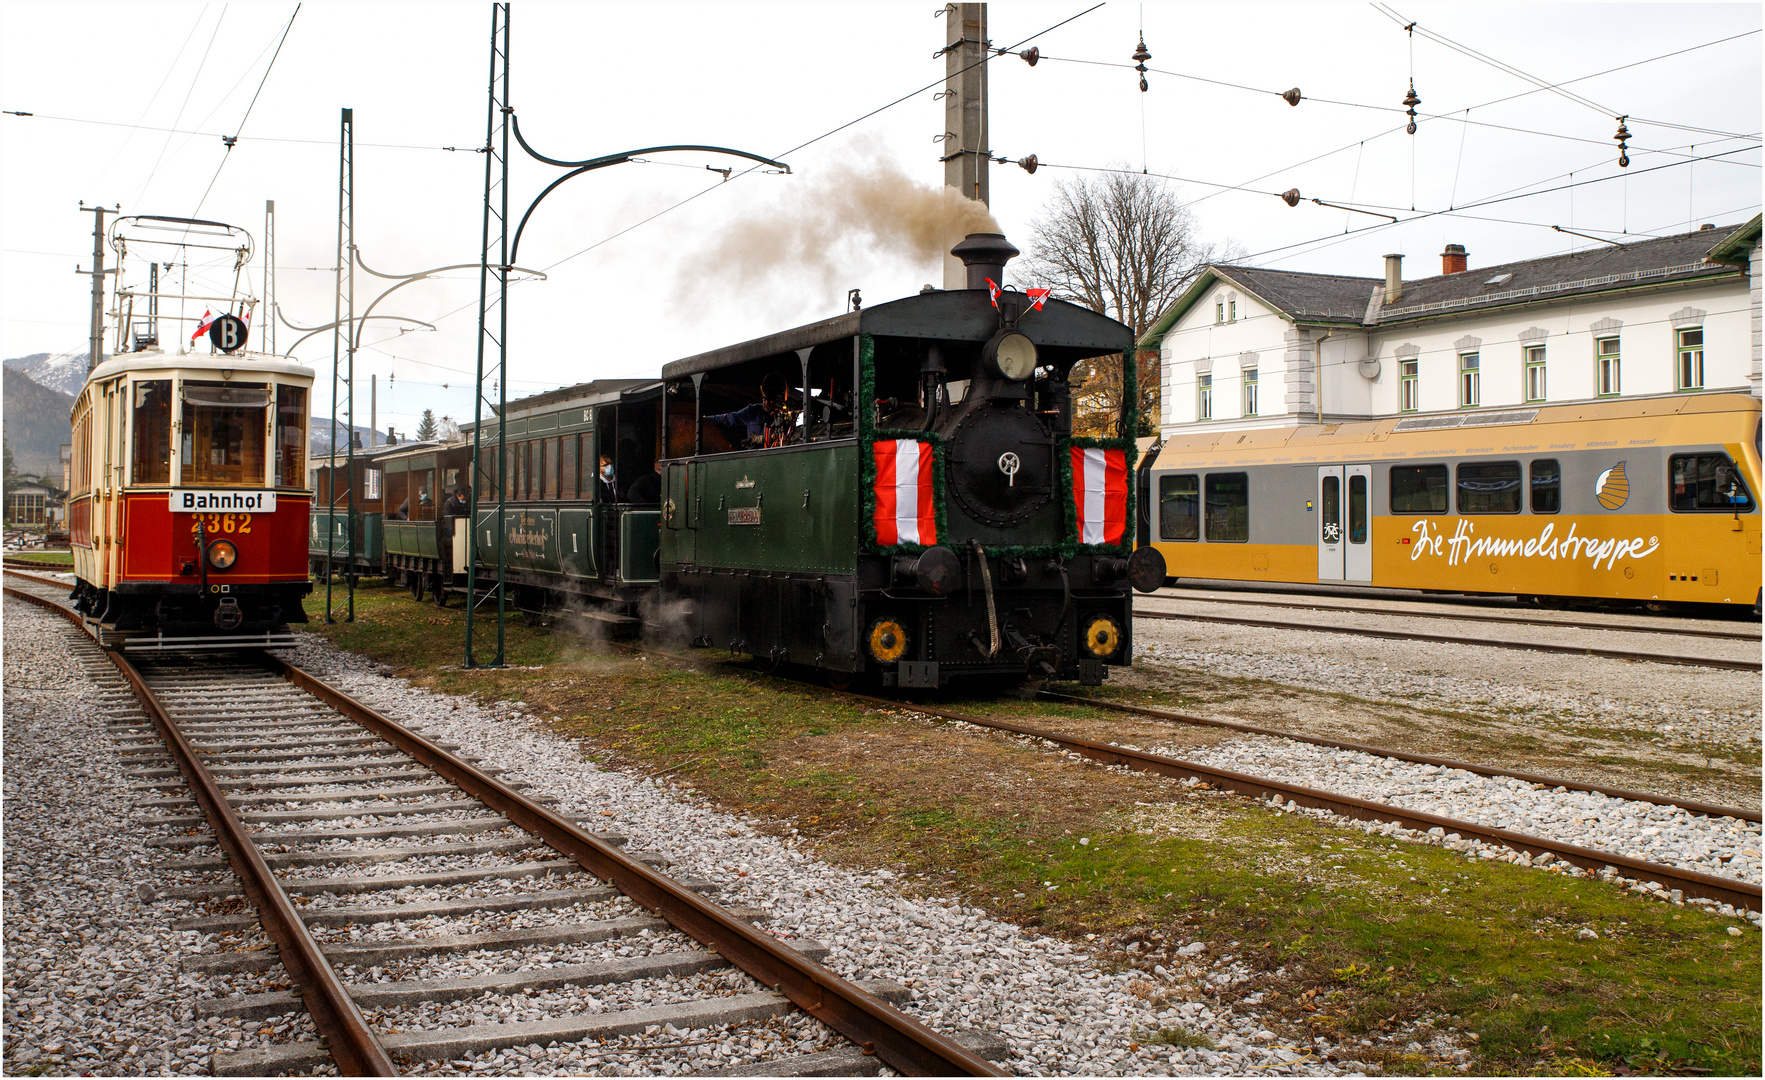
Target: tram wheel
415,580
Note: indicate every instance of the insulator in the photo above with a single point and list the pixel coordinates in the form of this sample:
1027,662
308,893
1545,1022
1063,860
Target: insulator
1290,196
1141,55
1623,138
1031,55
1143,86
1410,101
1293,96
1029,164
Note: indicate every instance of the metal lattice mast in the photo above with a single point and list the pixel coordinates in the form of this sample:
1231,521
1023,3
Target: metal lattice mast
494,258
337,347
269,327
349,521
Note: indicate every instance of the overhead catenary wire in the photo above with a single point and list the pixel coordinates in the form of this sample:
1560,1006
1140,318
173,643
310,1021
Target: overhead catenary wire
153,170
233,140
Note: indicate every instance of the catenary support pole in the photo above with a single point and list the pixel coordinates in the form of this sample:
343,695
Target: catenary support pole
967,143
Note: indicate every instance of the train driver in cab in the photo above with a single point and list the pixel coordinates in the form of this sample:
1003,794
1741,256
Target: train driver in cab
766,422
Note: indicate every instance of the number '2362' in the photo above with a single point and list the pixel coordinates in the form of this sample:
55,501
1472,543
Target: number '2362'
223,523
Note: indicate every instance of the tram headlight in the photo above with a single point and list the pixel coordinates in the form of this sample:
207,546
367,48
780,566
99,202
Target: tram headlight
222,554
1103,636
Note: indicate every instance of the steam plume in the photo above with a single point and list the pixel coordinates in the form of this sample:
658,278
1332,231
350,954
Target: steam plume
862,208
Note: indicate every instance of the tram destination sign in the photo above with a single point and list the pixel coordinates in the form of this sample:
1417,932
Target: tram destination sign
188,501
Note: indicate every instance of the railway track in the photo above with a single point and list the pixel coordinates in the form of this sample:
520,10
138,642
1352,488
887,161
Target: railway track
320,811
1465,616
1455,639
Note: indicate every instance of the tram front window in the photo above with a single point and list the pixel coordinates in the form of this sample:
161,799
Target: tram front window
152,429
224,433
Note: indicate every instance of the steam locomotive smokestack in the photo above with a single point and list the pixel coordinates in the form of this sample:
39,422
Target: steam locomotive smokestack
985,255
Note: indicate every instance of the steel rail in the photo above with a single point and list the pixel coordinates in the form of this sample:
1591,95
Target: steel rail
341,1027
1524,620
1707,809
879,1029
1451,639
1731,891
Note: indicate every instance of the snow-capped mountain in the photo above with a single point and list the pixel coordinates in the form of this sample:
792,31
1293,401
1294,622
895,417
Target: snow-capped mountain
64,373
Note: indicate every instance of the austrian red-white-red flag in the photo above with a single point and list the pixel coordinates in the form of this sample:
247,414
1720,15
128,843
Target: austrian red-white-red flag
1100,493
1039,296
993,291
905,513
203,324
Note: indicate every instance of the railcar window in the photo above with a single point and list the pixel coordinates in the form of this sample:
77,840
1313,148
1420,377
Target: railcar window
424,510
1228,508
1179,507
1704,482
1418,489
290,435
152,426
1489,487
535,465
1357,509
510,456
1547,486
567,468
224,433
551,468
1330,520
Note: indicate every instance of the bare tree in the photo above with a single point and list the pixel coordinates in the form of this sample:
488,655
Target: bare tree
1119,243
449,430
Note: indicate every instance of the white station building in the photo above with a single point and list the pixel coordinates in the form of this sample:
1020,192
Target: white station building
1249,348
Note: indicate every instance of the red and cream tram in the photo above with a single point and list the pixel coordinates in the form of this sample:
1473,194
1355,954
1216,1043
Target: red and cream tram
189,504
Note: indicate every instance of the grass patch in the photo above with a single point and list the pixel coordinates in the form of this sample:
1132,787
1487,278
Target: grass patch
1370,943
46,558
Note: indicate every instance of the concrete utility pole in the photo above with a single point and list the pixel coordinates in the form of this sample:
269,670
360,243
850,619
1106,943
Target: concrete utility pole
967,144
96,347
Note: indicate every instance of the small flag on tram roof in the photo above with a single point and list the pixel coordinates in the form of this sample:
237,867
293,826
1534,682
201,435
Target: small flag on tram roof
203,325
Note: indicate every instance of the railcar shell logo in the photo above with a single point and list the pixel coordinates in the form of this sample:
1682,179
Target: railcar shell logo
1612,487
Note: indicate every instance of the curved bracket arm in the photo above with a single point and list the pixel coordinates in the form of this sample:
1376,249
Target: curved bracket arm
577,168
311,330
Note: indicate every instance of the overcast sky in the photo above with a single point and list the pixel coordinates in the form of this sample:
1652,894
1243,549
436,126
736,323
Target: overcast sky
107,81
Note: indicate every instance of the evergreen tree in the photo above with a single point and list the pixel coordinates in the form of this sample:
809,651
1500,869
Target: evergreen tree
426,429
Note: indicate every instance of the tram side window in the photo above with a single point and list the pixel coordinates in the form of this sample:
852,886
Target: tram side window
1357,509
1179,507
1418,489
224,433
1707,482
1489,487
152,425
290,435
1228,508
1547,486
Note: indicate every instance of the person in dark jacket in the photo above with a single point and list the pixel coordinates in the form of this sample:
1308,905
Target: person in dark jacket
646,490
747,426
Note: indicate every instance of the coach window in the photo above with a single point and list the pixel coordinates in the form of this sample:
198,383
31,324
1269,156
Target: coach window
1179,507
1706,482
223,440
1357,509
1330,519
290,435
152,425
1418,489
551,468
1547,486
1228,508
1489,487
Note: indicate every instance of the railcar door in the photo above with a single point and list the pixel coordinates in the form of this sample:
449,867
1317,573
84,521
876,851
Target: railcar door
1332,546
1358,523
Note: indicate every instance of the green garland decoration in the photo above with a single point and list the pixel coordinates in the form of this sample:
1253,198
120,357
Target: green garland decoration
868,434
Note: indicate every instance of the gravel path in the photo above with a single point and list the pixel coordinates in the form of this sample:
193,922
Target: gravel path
1059,1012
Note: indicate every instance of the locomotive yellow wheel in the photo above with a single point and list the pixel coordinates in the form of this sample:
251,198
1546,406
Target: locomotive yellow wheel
1103,636
888,640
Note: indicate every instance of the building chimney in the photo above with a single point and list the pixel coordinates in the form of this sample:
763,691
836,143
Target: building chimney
1393,278
1452,260
985,255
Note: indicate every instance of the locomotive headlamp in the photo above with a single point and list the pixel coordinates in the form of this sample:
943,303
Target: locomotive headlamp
1103,636
222,554
1012,355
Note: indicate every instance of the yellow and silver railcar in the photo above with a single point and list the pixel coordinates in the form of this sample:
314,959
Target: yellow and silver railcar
1649,500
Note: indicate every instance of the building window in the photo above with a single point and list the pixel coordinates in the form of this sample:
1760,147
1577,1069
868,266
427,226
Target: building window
1231,310
1204,389
1470,379
1219,311
1535,373
1691,358
1409,395
1249,391
1606,350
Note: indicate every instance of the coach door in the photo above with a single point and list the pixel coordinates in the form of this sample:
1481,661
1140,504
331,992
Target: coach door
1331,544
1357,522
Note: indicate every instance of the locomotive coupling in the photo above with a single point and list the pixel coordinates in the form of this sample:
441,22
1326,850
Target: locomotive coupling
935,570
1146,569
227,615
